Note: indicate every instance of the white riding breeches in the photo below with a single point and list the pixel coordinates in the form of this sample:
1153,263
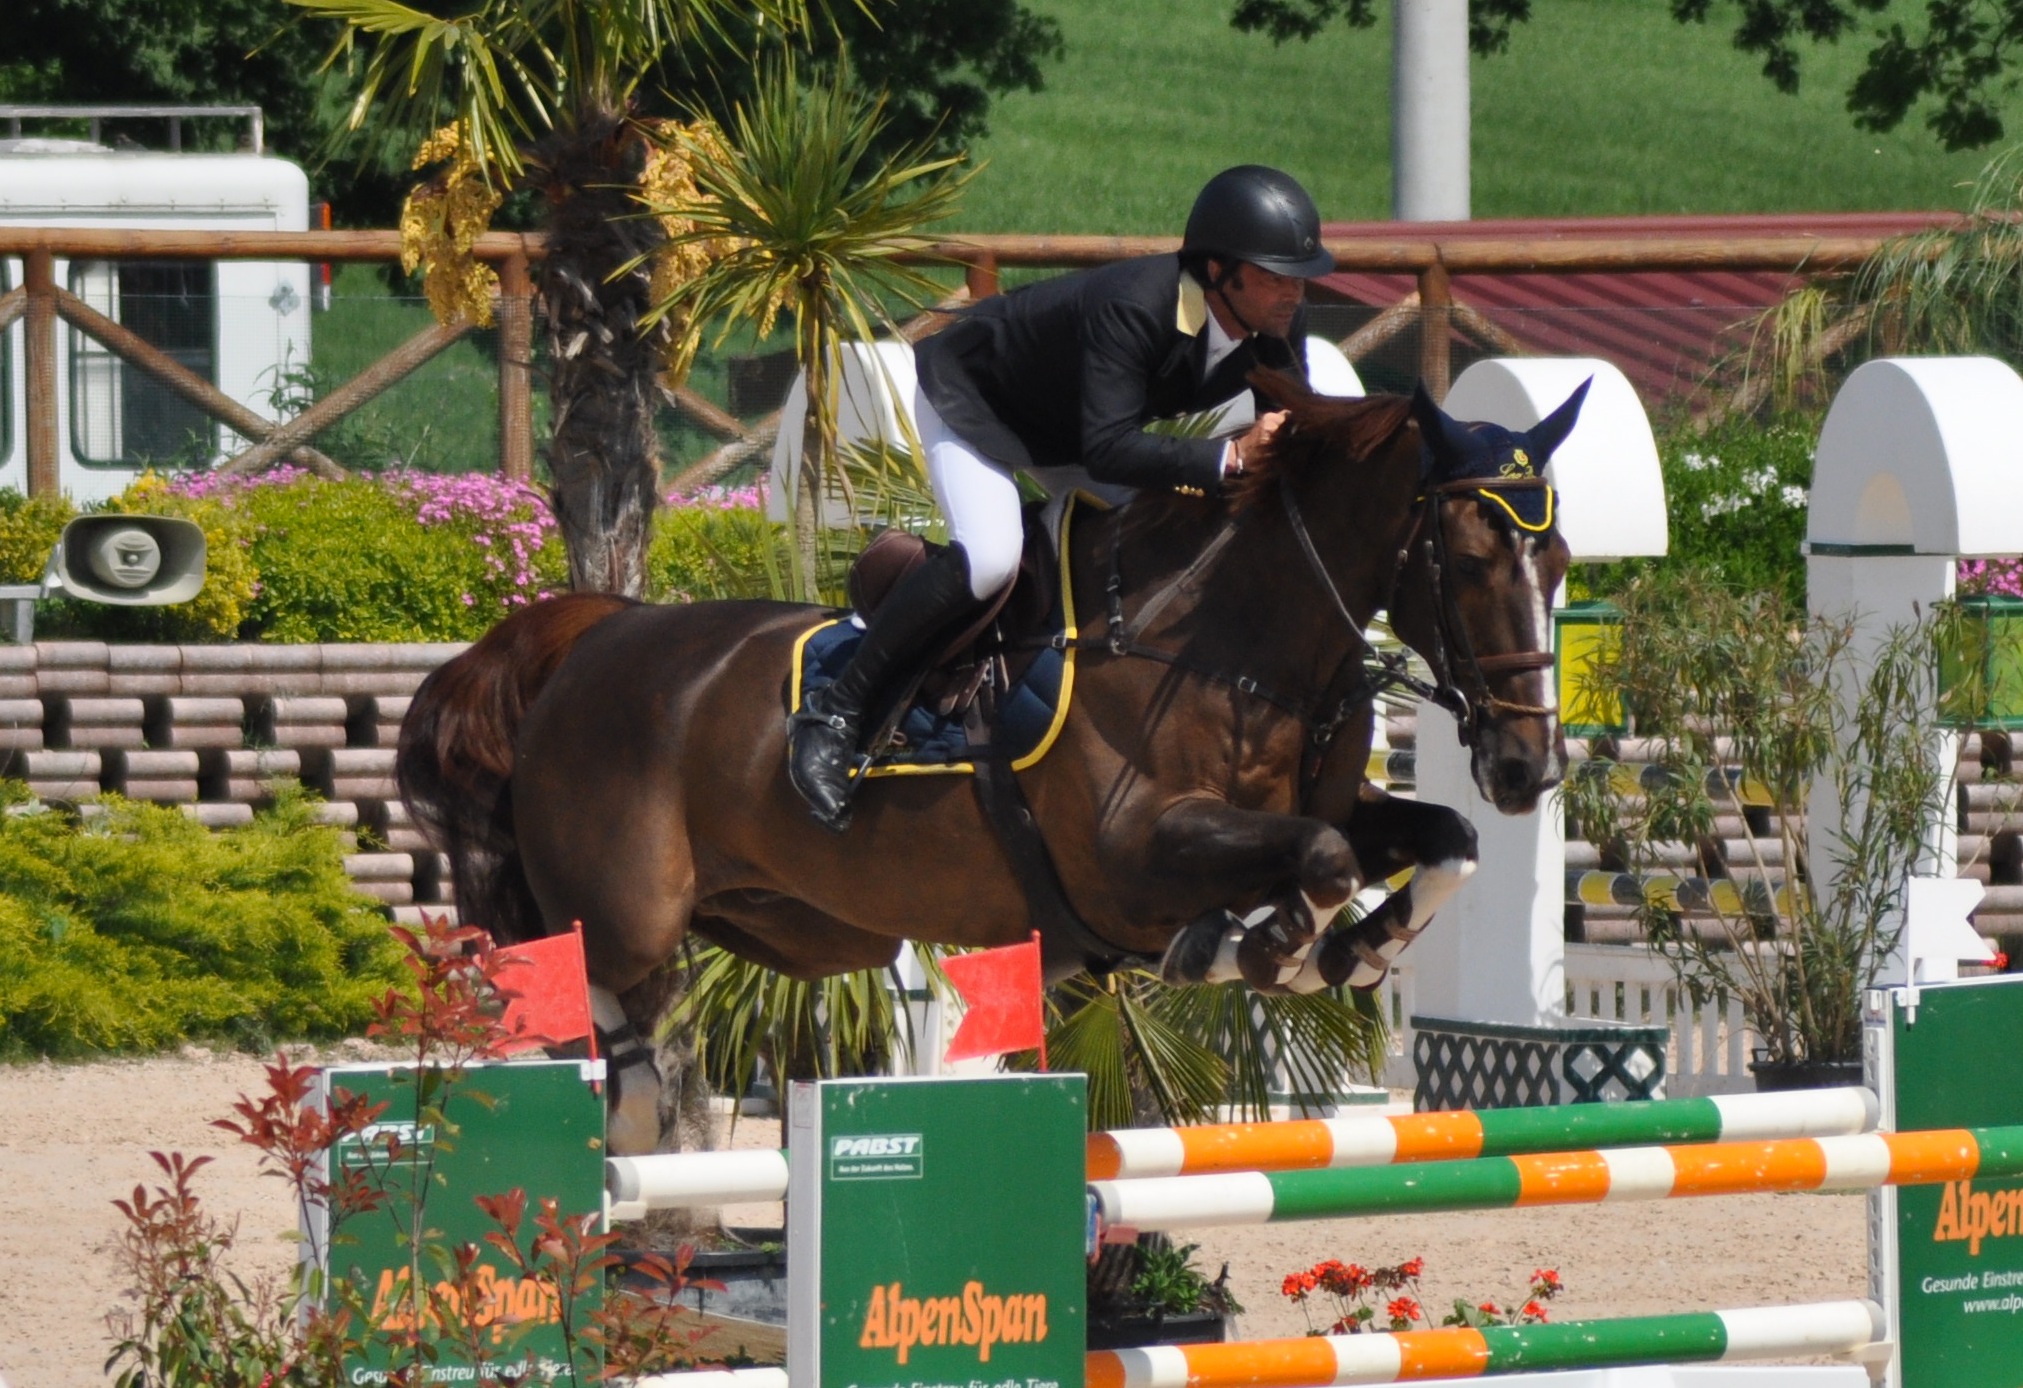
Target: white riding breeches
981,502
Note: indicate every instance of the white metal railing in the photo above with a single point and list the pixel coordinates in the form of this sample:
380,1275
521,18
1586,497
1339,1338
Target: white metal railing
1709,1048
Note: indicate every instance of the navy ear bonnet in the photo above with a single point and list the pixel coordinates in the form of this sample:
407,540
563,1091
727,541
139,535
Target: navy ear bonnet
1509,464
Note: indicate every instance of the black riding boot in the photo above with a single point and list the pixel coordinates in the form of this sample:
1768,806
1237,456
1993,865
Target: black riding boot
823,735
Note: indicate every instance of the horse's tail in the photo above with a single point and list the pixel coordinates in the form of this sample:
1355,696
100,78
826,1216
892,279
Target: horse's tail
455,762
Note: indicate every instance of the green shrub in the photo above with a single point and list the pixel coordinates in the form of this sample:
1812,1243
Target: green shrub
140,929
712,549
1735,497
28,531
407,557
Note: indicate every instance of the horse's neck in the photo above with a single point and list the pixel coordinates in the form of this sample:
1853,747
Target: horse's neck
1259,606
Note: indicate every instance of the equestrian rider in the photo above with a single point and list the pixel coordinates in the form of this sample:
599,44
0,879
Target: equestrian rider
1059,378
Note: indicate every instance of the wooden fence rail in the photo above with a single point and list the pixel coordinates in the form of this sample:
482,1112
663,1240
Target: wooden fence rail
1432,260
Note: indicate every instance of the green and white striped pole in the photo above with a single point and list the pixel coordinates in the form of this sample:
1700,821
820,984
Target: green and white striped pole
1857,1162
1770,1332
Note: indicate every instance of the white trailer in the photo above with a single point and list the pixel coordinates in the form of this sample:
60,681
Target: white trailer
241,325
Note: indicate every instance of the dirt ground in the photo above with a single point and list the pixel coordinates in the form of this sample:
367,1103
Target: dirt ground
75,1138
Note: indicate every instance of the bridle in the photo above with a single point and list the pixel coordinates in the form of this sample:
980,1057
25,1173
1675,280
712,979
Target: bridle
1367,671
1450,633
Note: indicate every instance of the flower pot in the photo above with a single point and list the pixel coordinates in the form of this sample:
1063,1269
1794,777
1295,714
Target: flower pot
1108,1331
1775,1075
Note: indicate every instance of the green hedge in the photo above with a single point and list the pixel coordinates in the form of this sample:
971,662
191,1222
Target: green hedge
140,929
395,557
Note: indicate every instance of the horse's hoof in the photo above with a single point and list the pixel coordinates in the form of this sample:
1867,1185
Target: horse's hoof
1272,953
1191,955
1343,957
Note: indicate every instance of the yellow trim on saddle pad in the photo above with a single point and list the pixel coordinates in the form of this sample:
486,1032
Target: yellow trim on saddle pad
1046,742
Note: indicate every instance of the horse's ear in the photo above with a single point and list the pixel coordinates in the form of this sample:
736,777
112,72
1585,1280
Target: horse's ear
1447,439
1549,433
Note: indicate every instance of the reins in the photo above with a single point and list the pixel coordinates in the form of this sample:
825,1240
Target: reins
1375,671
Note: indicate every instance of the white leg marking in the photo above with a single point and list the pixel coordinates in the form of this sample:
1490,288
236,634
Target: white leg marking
1224,969
1433,884
634,1125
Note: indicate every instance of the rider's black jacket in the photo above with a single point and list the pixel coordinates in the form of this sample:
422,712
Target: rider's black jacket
1069,371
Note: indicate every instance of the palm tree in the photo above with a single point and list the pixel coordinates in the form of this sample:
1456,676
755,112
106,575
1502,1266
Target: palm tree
542,95
803,217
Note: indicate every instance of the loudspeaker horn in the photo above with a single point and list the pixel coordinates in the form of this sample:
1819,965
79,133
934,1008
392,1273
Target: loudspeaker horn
129,561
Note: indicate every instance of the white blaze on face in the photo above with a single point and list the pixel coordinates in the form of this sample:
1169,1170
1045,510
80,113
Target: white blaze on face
1540,635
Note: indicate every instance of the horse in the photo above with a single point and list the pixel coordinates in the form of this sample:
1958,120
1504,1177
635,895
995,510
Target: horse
621,764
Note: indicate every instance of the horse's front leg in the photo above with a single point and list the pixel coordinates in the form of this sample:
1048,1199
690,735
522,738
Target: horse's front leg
1245,852
1389,833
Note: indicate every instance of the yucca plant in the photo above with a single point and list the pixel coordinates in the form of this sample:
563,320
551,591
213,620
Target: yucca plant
804,218
1155,1054
1954,290
542,95
745,1016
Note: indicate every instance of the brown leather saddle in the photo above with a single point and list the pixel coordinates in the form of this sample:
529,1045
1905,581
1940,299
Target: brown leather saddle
994,643
985,656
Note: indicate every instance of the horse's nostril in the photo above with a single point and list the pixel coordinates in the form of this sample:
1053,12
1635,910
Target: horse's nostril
1514,775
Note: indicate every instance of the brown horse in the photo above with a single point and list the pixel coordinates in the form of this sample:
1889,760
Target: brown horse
598,760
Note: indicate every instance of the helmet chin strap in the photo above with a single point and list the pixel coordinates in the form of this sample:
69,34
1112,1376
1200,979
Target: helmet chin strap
1250,329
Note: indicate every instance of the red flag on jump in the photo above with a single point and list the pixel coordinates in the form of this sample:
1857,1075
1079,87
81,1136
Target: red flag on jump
1002,988
547,991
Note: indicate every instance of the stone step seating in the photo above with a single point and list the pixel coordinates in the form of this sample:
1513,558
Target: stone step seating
210,728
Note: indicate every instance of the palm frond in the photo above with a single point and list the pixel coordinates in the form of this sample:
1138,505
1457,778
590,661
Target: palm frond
745,1016
511,70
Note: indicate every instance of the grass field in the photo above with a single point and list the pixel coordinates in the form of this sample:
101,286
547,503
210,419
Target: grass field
1600,107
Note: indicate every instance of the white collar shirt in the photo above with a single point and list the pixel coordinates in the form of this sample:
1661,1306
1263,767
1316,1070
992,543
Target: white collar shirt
1220,345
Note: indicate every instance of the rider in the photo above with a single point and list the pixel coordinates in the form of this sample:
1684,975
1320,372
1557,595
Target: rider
1059,378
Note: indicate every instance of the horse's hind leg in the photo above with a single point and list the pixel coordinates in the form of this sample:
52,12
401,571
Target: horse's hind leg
626,875
1393,833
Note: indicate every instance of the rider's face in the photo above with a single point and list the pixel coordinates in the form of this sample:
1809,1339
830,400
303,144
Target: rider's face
1262,299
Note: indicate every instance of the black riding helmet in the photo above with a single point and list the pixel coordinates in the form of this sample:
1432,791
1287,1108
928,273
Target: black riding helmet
1255,214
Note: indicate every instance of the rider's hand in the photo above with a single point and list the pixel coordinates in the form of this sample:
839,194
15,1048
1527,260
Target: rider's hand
1236,459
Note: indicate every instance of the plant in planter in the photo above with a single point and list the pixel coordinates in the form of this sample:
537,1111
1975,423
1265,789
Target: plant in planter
1746,708
1150,1292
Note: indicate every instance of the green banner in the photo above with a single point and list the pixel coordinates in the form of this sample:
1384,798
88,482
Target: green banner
1959,1063
936,1233
535,1126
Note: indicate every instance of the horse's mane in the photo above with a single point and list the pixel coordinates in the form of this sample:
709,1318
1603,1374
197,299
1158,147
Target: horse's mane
1319,427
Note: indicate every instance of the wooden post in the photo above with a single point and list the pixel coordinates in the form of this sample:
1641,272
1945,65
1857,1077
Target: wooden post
1435,297
979,275
291,433
44,479
137,352
516,370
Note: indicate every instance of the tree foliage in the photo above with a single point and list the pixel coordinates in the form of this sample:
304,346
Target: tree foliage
942,61
1958,61
1489,21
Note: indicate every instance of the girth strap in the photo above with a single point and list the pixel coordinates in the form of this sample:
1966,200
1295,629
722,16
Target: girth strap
1067,942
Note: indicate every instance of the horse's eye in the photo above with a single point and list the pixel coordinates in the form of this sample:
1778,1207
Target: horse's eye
1471,567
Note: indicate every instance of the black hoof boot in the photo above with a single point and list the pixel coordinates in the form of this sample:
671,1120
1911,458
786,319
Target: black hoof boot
821,752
